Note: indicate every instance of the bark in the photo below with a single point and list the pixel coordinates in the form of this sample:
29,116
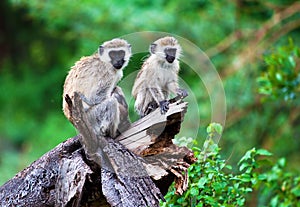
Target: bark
66,177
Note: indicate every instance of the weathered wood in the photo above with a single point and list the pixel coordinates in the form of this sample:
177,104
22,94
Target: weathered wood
42,183
125,182
36,184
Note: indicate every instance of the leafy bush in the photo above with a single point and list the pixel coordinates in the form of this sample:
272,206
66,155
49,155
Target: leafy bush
281,78
212,182
278,187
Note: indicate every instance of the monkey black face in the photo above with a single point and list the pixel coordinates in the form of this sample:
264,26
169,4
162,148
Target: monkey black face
117,58
166,49
170,54
115,52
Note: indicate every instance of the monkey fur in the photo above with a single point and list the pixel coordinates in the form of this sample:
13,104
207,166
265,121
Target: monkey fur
95,78
158,77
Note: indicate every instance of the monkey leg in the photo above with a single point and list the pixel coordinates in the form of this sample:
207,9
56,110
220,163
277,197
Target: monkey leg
160,98
143,99
164,106
151,107
123,109
86,100
104,117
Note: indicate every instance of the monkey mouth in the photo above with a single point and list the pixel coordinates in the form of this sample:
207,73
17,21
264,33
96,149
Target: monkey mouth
170,58
118,64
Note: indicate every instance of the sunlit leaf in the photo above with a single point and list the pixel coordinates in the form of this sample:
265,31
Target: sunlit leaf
263,152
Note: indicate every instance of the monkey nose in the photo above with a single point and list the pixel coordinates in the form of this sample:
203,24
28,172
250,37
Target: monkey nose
118,64
170,58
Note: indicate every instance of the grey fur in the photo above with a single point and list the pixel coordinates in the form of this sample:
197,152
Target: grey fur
95,78
158,77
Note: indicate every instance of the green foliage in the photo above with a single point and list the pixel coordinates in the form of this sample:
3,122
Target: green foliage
213,182
41,40
210,181
278,187
281,78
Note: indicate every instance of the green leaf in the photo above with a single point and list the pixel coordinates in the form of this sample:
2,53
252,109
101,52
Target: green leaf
229,167
262,176
247,156
281,162
263,152
240,201
296,191
222,165
279,77
209,129
243,166
246,178
202,182
194,191
214,128
218,128
274,201
180,200
292,61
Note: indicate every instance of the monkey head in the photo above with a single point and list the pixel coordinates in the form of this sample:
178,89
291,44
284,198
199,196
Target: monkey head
117,52
166,48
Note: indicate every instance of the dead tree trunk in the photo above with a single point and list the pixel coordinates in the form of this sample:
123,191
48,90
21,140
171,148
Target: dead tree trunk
65,177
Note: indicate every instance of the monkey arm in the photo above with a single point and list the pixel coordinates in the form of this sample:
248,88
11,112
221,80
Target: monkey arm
160,98
174,88
157,93
149,98
86,100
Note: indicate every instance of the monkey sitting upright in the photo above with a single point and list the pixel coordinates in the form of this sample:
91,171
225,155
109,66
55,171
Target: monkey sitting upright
158,77
95,78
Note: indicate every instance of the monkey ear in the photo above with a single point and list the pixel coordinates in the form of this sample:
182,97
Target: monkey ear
101,50
129,47
152,48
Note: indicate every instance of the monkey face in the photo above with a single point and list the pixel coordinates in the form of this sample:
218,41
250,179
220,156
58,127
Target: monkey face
166,48
116,52
170,54
117,58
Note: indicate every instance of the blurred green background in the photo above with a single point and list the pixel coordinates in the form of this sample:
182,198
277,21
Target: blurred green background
41,40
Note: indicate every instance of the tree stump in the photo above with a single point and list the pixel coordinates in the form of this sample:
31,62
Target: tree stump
65,177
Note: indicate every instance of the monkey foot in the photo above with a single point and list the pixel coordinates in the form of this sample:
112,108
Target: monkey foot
164,106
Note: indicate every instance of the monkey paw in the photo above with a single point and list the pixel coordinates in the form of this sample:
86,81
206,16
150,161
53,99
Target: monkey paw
164,106
182,92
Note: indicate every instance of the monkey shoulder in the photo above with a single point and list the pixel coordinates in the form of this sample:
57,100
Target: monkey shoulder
84,77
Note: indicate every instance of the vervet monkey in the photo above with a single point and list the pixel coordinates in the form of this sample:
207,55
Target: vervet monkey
158,77
95,78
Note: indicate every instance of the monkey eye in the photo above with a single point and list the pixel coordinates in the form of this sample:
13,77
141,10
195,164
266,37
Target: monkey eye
116,54
170,52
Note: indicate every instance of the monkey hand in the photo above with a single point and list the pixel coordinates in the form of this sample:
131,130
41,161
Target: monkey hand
182,92
164,106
